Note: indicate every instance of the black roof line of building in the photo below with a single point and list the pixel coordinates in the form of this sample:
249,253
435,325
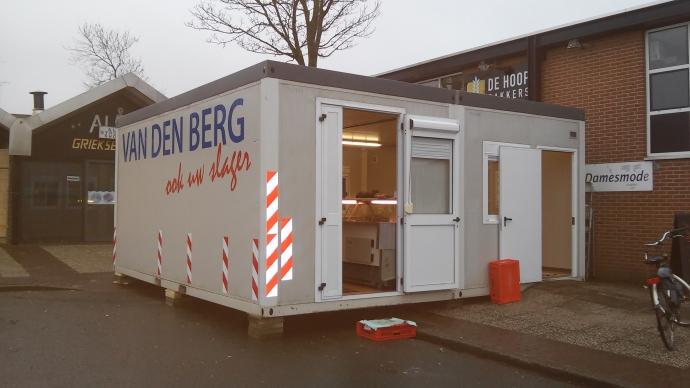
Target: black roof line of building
655,15
336,79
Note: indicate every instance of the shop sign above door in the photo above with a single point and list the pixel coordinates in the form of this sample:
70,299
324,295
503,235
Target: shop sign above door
629,176
101,136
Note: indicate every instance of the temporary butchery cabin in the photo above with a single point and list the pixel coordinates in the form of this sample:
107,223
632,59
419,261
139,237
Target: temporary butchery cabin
283,190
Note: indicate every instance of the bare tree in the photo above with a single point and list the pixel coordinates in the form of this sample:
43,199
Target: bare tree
105,53
301,30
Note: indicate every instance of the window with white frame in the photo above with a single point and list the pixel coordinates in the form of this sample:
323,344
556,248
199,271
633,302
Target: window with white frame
668,90
433,83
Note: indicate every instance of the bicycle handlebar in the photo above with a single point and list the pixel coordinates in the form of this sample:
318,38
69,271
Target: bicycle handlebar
673,233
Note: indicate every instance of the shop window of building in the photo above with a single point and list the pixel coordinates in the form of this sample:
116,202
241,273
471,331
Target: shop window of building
45,193
668,83
453,81
433,83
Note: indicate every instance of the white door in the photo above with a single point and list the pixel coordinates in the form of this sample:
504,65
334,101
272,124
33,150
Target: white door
432,225
330,217
520,208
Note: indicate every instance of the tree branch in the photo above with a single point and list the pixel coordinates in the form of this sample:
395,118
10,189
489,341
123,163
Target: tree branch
285,27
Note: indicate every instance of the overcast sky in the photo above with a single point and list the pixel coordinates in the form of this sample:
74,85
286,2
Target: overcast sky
34,34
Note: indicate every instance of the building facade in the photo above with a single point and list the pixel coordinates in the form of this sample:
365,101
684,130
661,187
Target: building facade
630,73
6,121
61,164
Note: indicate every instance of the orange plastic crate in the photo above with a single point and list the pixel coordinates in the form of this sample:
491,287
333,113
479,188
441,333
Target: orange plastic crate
387,333
504,276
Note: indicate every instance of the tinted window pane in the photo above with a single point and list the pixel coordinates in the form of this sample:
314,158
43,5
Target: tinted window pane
668,47
669,90
434,83
45,194
493,187
430,180
670,132
453,82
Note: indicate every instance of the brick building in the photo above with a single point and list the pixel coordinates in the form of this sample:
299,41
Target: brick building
629,72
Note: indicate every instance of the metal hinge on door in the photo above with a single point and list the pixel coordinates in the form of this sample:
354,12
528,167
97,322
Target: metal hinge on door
322,286
322,117
572,221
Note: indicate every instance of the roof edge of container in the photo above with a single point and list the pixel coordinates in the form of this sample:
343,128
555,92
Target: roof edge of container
213,88
347,81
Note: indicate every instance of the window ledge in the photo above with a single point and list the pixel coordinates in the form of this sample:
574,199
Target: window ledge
676,155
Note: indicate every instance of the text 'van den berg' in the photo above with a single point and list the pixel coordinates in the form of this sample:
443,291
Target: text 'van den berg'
207,128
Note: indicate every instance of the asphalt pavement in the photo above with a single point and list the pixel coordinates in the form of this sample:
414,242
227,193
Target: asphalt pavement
96,333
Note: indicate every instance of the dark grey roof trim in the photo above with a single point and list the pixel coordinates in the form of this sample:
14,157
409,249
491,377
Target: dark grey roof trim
321,77
648,17
452,64
520,106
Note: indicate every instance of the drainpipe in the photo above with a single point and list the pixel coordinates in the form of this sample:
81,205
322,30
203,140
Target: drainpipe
533,68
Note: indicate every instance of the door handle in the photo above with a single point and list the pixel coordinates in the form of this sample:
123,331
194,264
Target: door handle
322,221
456,219
505,220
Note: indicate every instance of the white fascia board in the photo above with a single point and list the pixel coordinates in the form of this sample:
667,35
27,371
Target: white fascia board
133,81
6,119
92,95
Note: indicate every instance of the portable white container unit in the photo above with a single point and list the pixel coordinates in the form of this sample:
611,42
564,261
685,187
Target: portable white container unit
242,192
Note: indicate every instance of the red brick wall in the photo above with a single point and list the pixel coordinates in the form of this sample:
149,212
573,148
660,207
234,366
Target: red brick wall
607,79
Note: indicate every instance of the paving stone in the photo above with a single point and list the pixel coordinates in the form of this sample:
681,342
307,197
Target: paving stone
612,317
83,258
9,268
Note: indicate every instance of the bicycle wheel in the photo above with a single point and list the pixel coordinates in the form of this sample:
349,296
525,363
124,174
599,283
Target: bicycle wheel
664,317
683,310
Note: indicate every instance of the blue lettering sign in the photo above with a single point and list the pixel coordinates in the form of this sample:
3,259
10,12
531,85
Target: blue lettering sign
156,140
193,131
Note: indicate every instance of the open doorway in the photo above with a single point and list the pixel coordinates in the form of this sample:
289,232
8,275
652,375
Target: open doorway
557,214
370,200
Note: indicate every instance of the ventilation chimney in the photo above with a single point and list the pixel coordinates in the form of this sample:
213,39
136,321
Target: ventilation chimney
38,101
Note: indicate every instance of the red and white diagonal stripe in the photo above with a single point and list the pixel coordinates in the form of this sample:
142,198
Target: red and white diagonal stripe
271,202
286,249
272,254
255,269
159,260
272,265
189,258
114,244
224,278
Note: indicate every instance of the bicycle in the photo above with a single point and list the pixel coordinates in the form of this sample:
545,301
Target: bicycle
668,291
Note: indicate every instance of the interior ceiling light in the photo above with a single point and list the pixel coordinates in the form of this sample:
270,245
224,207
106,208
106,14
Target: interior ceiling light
361,143
384,202
361,139
349,201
